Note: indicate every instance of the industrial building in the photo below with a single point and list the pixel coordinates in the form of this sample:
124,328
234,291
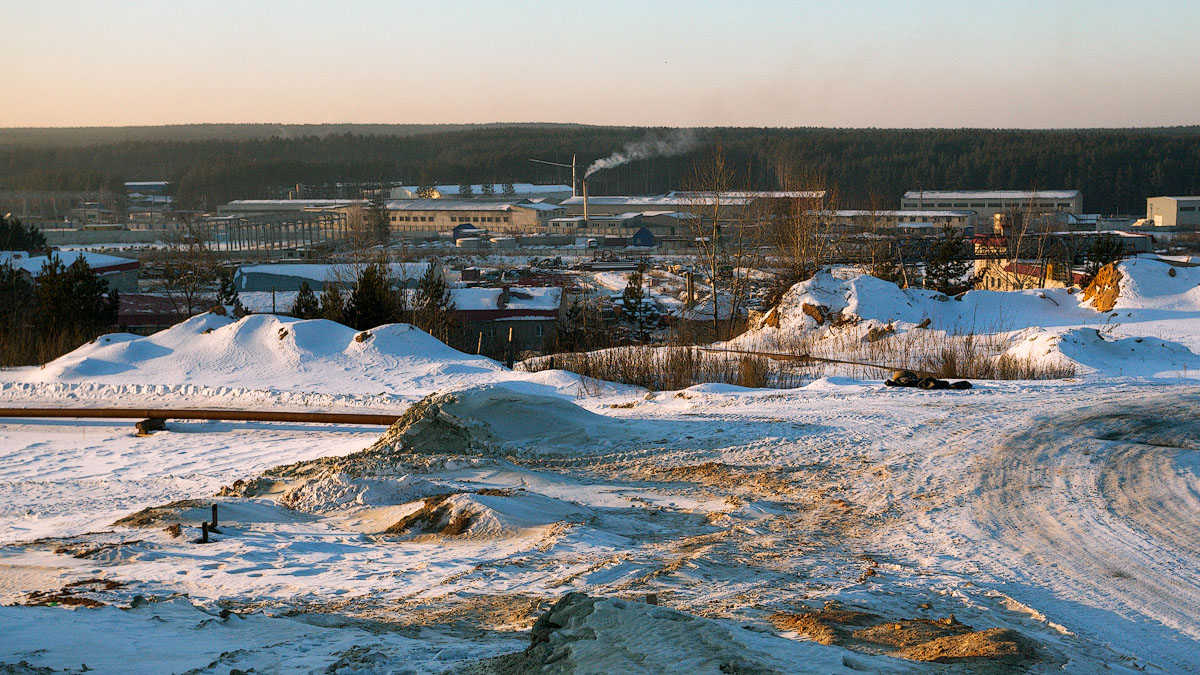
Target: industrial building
905,222
987,203
258,206
288,276
531,191
1179,212
434,217
731,204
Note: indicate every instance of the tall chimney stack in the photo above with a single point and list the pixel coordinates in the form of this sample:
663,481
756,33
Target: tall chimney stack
585,213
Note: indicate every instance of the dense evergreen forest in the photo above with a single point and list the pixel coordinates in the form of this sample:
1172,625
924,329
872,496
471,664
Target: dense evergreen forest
209,164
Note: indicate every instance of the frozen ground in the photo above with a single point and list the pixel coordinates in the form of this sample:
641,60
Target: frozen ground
807,529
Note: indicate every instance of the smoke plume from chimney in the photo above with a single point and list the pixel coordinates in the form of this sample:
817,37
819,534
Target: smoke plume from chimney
677,142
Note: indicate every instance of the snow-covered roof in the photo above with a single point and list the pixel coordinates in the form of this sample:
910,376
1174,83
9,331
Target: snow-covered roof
518,188
539,206
680,215
852,213
323,273
750,194
451,205
992,194
519,298
295,202
99,262
1178,198
671,202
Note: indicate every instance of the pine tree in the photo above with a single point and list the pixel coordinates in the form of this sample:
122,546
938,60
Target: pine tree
433,307
581,328
634,293
487,189
1104,249
306,305
946,269
379,228
371,303
74,297
16,298
425,186
17,237
510,190
465,190
333,307
228,295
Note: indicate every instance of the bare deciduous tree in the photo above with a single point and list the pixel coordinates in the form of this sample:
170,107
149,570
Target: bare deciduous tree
724,231
883,251
190,268
802,232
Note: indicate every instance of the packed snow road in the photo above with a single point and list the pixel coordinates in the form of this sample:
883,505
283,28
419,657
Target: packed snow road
1119,528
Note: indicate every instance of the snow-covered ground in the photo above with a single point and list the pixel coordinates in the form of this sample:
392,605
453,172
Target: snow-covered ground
830,528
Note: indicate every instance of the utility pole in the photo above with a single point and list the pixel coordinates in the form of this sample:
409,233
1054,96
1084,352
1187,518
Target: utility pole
570,166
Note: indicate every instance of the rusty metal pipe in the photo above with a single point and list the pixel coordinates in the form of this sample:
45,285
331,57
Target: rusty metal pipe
376,419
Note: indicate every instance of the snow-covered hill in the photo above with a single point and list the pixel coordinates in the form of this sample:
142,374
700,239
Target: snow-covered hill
1153,331
282,354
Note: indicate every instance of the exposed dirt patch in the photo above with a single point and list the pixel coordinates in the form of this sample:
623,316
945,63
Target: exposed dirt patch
24,668
157,515
911,632
942,640
504,611
429,426
716,473
73,594
436,516
496,492
84,549
818,313
254,487
831,625
999,644
1104,288
95,585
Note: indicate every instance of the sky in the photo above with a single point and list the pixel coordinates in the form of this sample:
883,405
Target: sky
887,63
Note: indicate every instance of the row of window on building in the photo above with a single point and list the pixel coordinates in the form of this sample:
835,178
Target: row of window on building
978,205
453,219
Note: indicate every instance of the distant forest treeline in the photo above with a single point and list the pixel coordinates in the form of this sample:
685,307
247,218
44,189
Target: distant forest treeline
209,164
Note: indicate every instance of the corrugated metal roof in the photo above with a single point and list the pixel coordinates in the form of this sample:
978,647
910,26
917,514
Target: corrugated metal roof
991,194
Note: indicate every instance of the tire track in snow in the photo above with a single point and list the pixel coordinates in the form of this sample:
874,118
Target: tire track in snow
1102,506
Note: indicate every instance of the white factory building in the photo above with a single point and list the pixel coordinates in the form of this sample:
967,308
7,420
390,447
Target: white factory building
987,203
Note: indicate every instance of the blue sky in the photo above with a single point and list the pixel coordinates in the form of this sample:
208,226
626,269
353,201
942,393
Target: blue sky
885,64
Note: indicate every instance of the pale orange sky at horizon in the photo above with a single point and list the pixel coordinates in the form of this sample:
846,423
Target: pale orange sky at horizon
883,64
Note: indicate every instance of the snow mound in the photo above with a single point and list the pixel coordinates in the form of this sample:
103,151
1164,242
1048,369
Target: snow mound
487,514
497,419
859,302
296,355
1154,284
580,634
339,491
1132,356
1153,332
